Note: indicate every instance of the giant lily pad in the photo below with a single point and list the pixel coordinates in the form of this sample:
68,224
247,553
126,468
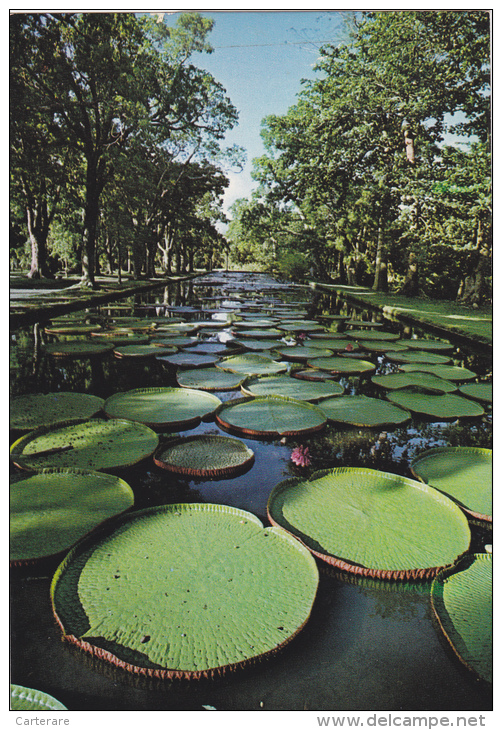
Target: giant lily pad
425,381
462,602
447,372
256,345
342,365
39,409
271,416
167,408
206,456
372,523
210,379
444,405
418,356
53,508
71,329
189,360
360,410
478,391
302,353
251,364
92,444
463,473
218,591
259,334
77,349
423,344
24,698
372,335
291,387
141,351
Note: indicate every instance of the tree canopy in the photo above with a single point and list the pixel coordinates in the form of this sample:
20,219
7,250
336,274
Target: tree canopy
385,158
110,116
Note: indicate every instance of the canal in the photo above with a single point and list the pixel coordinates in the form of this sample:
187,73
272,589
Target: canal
368,644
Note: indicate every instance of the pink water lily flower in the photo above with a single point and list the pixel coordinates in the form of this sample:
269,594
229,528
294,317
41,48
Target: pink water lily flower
300,456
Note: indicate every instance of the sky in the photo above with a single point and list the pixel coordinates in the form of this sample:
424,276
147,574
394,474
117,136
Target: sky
260,58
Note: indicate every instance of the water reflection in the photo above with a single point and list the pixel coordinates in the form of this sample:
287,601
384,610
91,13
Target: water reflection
370,645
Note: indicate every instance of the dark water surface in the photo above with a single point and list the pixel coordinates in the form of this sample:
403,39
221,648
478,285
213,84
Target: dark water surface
368,645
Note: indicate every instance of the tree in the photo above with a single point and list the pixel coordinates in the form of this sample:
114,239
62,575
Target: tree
101,80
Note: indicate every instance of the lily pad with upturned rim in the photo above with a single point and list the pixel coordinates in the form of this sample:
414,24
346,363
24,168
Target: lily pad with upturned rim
165,408
363,411
71,329
210,379
447,372
251,364
464,473
443,406
372,335
418,356
77,349
259,334
302,353
423,344
478,391
342,366
53,508
218,591
205,456
425,381
372,523
189,360
462,601
93,444
140,351
23,699
270,416
296,388
42,409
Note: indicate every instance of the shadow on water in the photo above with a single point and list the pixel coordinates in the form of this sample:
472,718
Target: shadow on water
369,645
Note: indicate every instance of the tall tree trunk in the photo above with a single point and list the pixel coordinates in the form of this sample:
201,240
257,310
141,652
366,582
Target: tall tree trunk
381,282
473,289
38,223
91,214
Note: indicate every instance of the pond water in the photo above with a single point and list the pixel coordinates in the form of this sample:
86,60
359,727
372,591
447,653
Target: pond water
369,645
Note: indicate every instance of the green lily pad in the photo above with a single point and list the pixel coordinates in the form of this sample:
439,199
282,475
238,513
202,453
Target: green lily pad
372,523
25,698
418,356
302,353
336,345
38,409
218,591
140,351
71,329
291,387
210,379
463,473
257,345
423,344
258,334
426,381
206,456
78,349
93,444
254,323
360,410
444,405
53,508
478,391
163,338
189,360
342,365
315,376
447,372
271,416
305,326
251,364
166,408
372,335
462,600
120,338
381,346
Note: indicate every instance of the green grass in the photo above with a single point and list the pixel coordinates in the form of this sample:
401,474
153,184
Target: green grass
448,316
